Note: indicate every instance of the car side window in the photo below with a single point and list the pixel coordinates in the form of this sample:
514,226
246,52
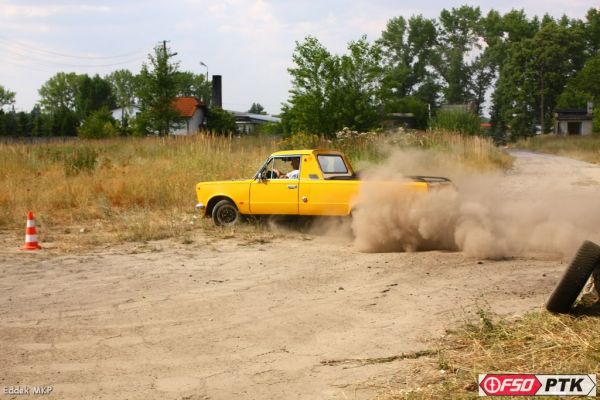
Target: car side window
332,164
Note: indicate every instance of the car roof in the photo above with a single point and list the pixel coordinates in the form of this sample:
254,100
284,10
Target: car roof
304,152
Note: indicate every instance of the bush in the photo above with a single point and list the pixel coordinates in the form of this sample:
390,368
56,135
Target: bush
301,140
270,128
457,121
100,124
220,121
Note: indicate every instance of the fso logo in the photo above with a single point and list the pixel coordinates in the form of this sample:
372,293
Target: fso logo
536,385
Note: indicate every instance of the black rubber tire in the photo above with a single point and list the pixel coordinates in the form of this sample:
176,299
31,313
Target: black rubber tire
572,282
225,213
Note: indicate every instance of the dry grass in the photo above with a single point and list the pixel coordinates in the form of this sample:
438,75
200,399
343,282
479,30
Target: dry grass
586,148
475,152
539,342
143,189
148,179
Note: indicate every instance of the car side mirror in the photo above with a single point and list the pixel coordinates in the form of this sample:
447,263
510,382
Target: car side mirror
260,177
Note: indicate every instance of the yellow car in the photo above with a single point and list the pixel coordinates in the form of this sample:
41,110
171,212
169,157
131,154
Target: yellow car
314,182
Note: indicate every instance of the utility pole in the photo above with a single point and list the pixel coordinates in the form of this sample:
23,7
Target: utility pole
164,42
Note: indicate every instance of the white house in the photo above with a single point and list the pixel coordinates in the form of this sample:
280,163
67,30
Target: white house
193,112
128,112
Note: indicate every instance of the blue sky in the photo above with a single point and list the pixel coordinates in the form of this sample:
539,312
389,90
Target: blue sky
249,43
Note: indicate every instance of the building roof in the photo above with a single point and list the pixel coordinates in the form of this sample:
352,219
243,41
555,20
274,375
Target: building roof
187,106
573,114
246,116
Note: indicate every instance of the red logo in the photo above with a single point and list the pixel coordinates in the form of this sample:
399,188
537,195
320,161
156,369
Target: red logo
510,384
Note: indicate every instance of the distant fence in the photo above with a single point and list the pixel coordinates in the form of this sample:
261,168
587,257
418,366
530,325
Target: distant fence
36,139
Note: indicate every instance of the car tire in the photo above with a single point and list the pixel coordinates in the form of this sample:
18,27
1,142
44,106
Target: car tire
573,280
225,213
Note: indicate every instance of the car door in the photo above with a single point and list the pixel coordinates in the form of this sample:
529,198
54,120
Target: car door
272,195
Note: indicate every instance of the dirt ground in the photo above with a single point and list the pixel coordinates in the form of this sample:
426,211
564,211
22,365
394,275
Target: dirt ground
231,318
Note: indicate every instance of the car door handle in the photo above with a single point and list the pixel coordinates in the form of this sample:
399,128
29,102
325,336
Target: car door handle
292,186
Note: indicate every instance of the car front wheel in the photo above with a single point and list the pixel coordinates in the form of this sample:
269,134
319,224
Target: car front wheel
225,213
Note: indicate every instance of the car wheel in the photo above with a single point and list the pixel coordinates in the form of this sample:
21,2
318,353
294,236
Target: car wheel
225,213
573,280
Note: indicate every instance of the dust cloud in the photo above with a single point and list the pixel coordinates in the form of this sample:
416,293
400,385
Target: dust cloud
486,215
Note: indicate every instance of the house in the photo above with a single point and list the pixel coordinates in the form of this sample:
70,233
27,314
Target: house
125,112
574,121
193,112
246,123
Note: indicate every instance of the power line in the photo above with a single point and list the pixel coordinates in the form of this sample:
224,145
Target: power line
54,53
36,58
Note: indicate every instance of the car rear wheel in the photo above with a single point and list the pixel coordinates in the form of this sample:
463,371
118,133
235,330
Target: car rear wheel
225,213
564,295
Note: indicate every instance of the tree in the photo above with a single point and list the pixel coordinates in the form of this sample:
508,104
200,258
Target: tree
500,33
194,85
331,92
355,99
92,94
459,34
59,92
312,77
220,121
592,31
124,87
406,54
583,87
256,108
158,89
535,74
6,97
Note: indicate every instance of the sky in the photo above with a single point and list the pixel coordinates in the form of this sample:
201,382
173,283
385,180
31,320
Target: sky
250,43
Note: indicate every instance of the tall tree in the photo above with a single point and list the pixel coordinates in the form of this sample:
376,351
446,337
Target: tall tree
535,73
157,91
124,87
583,86
407,49
355,100
92,94
312,77
59,92
500,32
330,92
592,31
459,34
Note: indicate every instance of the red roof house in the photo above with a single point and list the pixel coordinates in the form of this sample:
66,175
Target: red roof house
193,112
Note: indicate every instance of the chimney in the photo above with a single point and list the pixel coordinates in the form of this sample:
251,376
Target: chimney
590,108
217,92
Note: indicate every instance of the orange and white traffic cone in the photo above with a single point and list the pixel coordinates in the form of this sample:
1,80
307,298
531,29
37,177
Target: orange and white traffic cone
31,242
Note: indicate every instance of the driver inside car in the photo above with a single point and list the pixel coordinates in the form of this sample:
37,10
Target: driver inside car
294,173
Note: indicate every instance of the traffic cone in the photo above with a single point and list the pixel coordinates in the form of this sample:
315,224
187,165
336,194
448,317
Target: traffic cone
31,242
